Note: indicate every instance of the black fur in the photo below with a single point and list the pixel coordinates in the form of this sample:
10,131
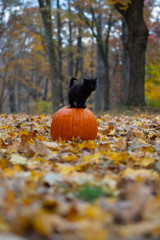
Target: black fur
72,81
79,93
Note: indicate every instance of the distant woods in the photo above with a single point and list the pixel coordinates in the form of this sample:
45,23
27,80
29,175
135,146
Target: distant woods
44,45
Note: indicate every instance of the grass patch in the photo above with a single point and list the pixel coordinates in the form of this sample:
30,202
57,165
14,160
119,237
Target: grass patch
43,107
90,193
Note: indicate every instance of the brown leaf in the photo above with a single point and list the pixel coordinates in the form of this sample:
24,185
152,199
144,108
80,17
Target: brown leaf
121,144
39,148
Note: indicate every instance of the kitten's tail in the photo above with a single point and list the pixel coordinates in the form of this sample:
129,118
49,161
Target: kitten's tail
72,81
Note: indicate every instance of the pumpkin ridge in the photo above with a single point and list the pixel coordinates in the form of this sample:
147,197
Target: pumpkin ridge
58,119
73,122
61,123
93,125
70,127
89,122
76,122
66,124
82,132
81,124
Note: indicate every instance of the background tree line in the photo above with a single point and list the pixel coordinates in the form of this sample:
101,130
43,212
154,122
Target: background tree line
43,45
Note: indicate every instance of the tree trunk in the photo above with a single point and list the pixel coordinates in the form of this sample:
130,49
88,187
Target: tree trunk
92,65
99,100
136,46
59,39
106,66
2,90
19,90
106,85
45,90
56,85
125,59
12,96
79,61
103,47
70,40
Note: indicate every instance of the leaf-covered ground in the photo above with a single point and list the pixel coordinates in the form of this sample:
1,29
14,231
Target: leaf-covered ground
108,189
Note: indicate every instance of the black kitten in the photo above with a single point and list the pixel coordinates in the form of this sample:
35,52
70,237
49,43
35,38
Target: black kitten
79,93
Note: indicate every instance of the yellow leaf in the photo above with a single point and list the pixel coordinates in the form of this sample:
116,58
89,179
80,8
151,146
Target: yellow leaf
112,132
117,157
17,159
68,157
94,212
86,231
9,172
42,224
146,161
139,174
94,158
89,144
4,227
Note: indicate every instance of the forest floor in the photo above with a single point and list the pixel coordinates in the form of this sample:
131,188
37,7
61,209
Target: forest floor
107,189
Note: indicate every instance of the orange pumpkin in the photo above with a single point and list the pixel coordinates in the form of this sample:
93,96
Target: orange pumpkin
74,122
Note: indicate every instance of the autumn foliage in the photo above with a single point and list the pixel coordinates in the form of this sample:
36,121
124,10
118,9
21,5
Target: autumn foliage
103,189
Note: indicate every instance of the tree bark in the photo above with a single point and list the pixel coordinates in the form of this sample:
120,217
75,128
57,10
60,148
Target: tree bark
3,85
125,59
19,96
12,96
99,99
136,46
70,40
79,60
45,90
92,65
59,39
56,85
104,49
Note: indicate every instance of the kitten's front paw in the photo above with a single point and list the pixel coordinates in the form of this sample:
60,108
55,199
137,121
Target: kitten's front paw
85,105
